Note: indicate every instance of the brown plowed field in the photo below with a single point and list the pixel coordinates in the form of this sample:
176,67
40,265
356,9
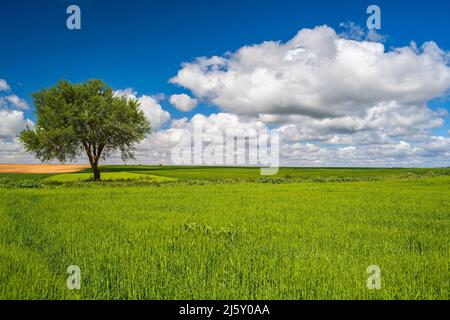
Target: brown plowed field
41,168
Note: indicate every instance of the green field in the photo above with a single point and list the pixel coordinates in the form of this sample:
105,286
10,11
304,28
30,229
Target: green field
226,233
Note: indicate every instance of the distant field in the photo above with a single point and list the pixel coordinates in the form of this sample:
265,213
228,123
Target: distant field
311,234
213,173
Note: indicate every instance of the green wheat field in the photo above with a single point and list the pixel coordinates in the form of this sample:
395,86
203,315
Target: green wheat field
157,232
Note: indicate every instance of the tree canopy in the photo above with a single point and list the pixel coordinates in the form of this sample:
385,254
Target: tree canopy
85,118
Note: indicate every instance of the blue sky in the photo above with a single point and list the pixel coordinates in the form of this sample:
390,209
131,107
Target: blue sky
141,44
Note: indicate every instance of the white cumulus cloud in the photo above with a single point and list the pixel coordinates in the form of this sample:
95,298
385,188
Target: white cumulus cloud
4,85
12,118
14,102
183,102
11,123
150,106
319,74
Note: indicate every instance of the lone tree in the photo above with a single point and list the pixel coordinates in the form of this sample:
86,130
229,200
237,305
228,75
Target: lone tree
73,119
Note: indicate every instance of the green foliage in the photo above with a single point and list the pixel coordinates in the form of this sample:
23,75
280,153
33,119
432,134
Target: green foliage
6,182
25,176
23,183
108,176
85,118
275,180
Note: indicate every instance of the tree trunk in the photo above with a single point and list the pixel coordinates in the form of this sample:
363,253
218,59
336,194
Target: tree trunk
96,171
